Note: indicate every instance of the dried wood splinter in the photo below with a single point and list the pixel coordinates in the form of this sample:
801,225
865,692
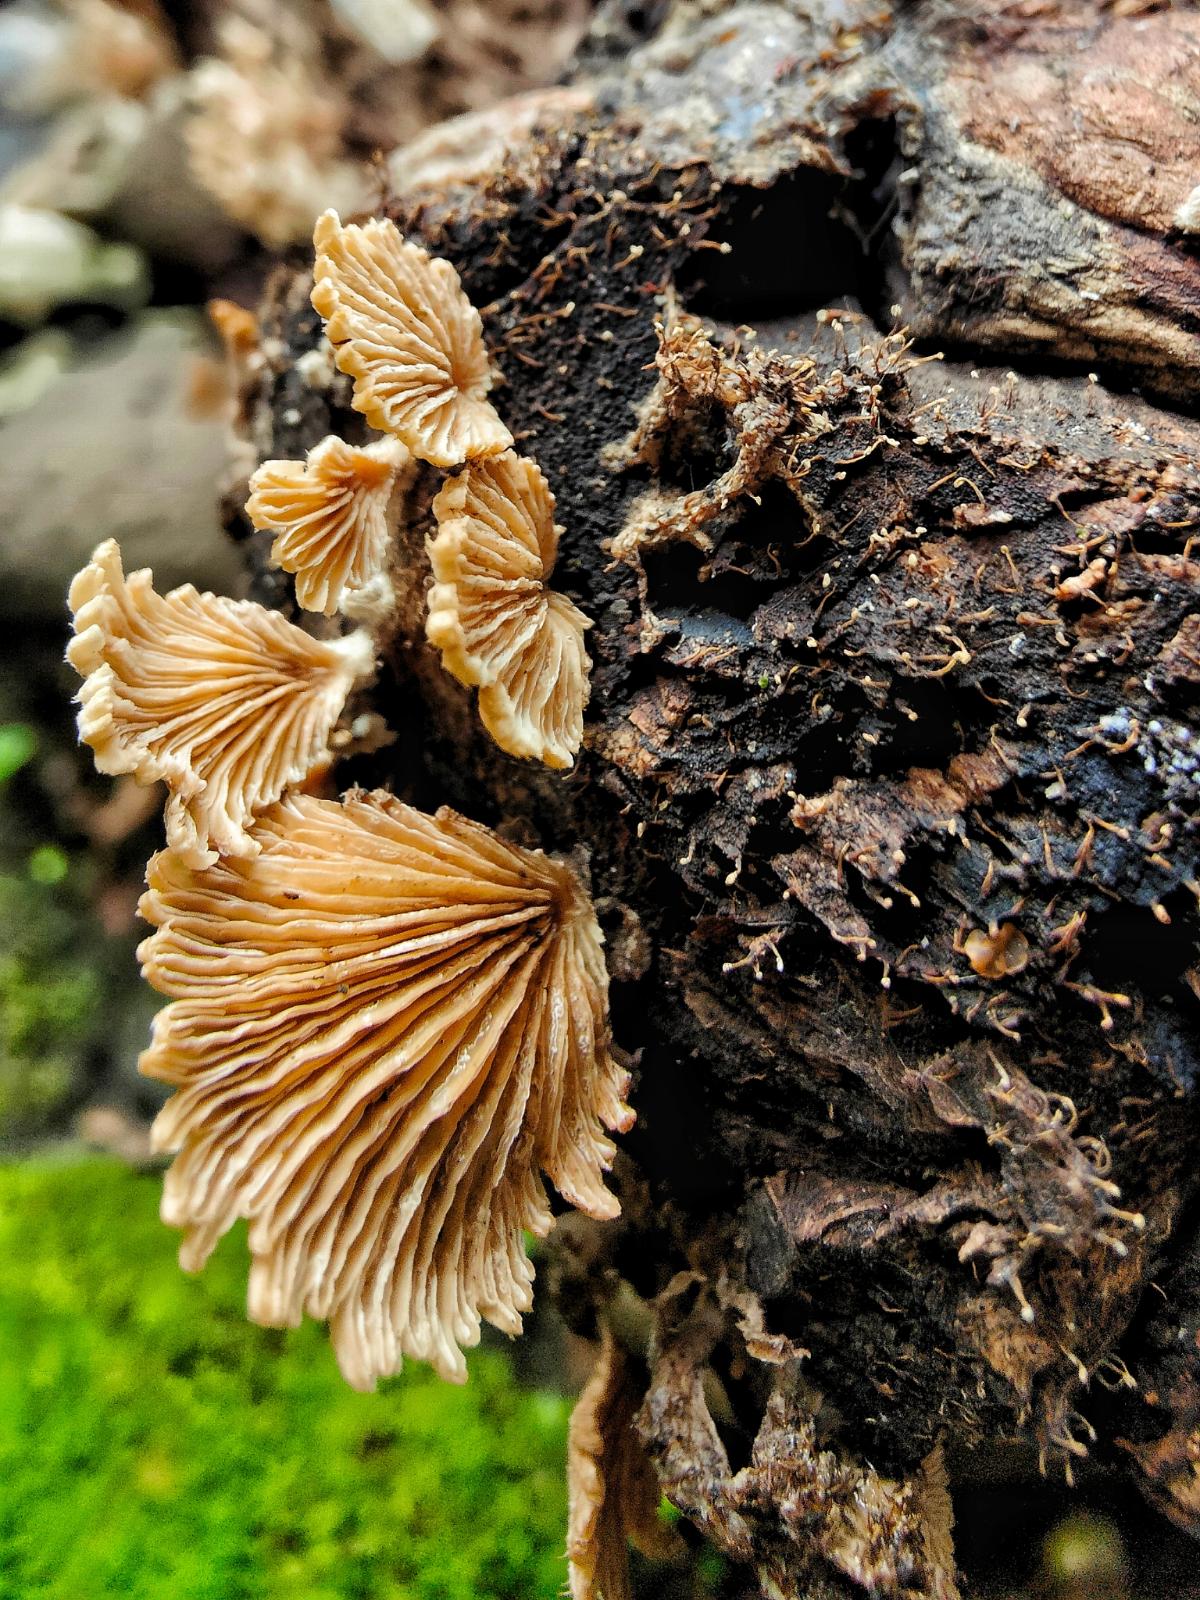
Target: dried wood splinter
612,1488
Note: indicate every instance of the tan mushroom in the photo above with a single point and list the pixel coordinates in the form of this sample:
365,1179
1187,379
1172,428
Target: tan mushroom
386,1027
265,128
493,616
331,515
612,1491
225,701
403,329
997,952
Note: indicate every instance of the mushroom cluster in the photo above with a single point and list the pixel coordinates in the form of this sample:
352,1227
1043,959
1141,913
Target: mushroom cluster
403,329
386,1029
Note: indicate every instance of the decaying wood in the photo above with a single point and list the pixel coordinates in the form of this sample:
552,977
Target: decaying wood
890,778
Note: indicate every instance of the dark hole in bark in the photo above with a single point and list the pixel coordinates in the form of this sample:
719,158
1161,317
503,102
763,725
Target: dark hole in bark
679,582
644,19
868,205
938,728
1155,537
738,1441
809,240
696,451
673,1137
1129,946
780,533
791,250
818,749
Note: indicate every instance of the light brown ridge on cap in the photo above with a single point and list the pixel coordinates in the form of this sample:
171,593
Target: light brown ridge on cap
493,616
331,515
386,1027
403,329
225,701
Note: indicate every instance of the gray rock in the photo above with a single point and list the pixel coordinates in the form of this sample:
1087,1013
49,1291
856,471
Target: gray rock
110,450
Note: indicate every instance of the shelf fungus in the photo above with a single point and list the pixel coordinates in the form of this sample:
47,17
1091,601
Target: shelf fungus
497,623
387,1028
403,329
330,516
226,702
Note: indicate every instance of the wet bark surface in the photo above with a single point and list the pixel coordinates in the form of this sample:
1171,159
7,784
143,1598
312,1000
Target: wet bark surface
859,349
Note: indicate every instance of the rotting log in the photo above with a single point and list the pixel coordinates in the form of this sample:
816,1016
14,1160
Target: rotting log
859,347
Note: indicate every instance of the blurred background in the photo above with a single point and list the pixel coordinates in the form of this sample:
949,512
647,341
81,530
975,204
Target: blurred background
153,158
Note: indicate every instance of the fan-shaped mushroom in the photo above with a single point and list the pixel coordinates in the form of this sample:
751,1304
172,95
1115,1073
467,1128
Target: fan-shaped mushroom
227,702
386,1027
265,128
493,616
403,329
331,515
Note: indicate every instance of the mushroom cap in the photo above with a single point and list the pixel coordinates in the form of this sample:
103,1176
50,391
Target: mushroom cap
226,702
330,511
403,329
385,1027
493,617
998,952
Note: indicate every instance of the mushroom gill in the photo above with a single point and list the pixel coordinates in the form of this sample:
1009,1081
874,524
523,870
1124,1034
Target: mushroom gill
403,329
385,1028
225,701
493,616
329,514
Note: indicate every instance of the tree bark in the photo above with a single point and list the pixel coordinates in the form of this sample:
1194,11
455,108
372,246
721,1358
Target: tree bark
859,345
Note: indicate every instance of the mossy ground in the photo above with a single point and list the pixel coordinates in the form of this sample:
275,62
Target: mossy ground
154,1444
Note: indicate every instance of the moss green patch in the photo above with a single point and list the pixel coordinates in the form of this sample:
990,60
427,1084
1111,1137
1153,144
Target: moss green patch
18,746
155,1446
49,994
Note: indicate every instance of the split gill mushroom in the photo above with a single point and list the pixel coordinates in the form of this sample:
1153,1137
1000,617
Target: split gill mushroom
403,329
329,515
495,619
226,702
385,1028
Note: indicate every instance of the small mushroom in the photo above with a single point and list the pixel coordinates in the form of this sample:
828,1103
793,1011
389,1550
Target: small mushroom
225,701
403,329
493,617
331,515
1000,952
386,1027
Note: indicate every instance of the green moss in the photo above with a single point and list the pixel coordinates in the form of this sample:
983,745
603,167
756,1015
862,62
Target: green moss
18,746
49,994
154,1444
